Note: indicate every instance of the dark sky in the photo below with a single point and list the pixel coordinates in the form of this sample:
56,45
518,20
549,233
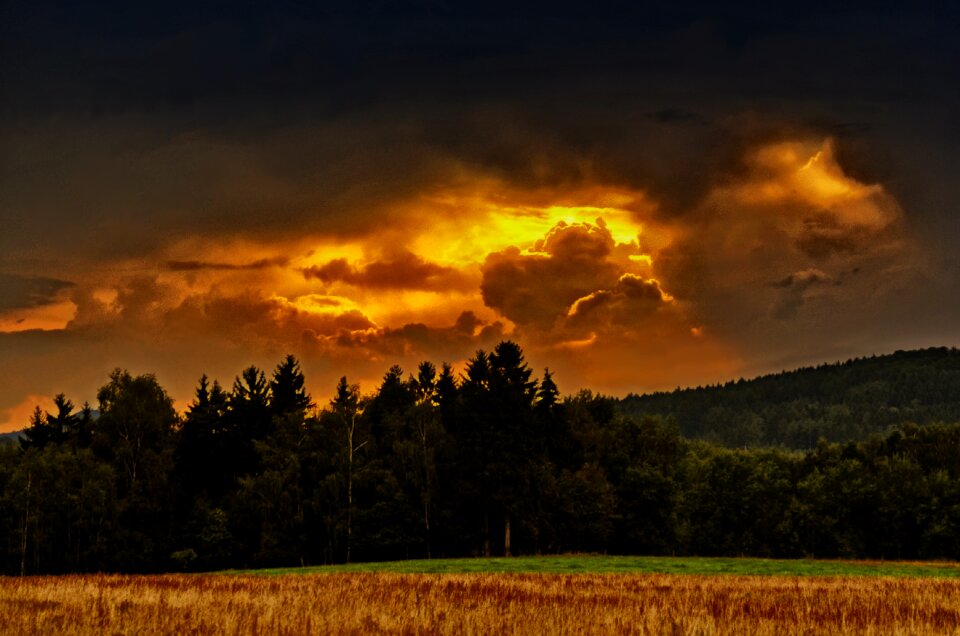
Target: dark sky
188,189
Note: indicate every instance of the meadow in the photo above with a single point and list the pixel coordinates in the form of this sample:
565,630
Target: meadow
605,564
522,602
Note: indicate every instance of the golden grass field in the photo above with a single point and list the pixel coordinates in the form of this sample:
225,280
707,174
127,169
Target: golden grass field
477,604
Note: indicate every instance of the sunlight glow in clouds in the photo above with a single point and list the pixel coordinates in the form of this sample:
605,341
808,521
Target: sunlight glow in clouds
463,227
597,281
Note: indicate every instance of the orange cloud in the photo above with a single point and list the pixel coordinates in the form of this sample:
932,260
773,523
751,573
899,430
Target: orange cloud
601,283
47,317
646,293
788,248
801,189
571,261
34,302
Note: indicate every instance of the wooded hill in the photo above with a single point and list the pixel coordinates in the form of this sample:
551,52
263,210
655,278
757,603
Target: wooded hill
837,402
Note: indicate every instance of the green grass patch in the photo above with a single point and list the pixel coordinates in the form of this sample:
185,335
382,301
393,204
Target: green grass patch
597,564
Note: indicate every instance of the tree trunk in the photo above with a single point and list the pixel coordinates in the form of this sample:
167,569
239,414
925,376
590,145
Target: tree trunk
506,534
427,484
350,487
23,535
426,524
486,533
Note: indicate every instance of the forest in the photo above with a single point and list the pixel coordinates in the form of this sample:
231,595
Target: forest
837,402
493,461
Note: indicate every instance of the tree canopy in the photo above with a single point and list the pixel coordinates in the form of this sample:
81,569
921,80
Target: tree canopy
492,461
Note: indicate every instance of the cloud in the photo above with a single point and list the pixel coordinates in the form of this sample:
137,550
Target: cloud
633,295
191,266
23,292
537,288
673,116
413,340
166,199
402,270
793,215
803,280
796,291
683,300
148,307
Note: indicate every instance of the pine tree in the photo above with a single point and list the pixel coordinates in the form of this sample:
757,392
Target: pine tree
289,396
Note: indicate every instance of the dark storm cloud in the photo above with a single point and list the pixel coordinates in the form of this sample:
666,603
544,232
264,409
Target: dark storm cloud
536,91
117,54
22,292
285,118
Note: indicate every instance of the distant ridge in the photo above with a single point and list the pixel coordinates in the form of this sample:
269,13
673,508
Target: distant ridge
10,437
838,402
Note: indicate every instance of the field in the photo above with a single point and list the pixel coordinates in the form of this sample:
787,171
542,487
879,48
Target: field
482,603
597,564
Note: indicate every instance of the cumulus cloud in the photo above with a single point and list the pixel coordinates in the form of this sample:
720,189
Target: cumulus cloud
589,305
453,342
148,307
537,288
632,296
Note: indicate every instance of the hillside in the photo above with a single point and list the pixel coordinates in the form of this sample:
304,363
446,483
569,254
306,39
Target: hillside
838,402
10,437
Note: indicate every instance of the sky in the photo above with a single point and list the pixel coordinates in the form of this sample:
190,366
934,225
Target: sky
643,198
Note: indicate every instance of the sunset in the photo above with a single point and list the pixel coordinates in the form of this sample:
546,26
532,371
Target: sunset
598,281
477,280
162,242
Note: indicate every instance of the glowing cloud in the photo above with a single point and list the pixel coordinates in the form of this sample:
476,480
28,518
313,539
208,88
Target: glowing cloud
597,282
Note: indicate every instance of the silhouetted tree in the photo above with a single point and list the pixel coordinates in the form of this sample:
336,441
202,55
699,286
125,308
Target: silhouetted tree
135,434
287,390
51,429
429,465
347,409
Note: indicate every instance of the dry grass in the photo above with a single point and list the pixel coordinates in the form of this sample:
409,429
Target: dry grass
477,604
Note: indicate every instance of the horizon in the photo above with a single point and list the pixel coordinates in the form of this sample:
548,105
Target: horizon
321,405
642,199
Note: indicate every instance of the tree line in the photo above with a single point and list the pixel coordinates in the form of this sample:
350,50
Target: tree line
836,402
434,464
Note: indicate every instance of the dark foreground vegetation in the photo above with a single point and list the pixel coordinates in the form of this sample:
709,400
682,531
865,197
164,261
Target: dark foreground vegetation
490,463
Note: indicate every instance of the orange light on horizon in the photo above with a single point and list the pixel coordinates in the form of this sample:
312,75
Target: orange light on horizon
49,317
